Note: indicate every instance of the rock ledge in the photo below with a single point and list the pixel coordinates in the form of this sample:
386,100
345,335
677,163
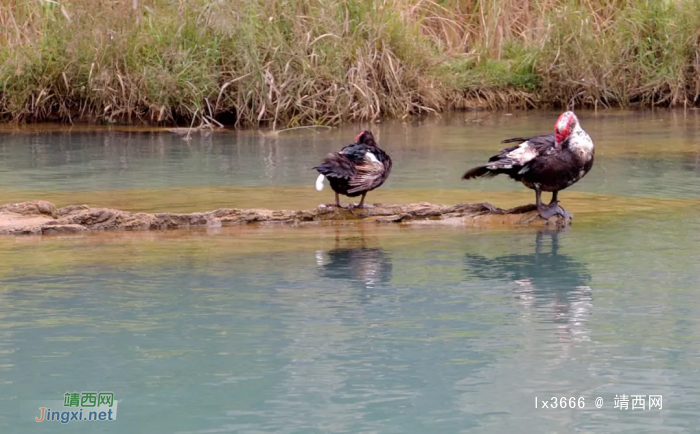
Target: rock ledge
41,217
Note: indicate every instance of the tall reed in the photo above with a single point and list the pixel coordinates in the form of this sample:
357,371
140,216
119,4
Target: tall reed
294,62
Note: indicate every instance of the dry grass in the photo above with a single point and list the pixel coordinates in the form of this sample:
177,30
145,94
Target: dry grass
573,53
308,62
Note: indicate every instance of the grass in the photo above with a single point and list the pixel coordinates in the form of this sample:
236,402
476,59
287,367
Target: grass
286,63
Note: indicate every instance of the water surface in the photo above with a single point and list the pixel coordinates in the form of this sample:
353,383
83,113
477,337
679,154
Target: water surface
386,329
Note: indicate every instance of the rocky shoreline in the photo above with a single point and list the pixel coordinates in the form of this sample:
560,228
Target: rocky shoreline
41,217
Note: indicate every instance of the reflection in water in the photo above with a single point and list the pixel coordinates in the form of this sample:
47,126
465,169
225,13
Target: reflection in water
691,162
366,266
320,320
550,286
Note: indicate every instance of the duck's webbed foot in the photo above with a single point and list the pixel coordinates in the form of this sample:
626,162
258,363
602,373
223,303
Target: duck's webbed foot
363,206
549,211
348,206
564,213
332,205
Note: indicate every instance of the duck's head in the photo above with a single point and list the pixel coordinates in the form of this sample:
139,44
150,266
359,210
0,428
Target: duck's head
565,125
365,137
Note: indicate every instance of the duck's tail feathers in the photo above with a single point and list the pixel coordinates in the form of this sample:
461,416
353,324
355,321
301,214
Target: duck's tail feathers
319,182
479,172
515,140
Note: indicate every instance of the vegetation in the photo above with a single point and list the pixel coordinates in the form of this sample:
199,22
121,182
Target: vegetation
300,62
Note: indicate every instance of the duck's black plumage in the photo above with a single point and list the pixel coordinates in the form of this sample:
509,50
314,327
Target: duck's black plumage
357,169
552,169
548,162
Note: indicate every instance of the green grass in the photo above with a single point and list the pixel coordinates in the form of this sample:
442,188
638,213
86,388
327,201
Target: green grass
303,62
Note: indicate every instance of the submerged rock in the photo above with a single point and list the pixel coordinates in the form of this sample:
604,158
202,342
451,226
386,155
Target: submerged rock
41,217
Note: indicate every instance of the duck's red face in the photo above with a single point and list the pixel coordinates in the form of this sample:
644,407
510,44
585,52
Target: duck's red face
358,139
565,123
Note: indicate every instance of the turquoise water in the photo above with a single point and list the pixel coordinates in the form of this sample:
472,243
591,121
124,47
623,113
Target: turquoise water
376,329
638,154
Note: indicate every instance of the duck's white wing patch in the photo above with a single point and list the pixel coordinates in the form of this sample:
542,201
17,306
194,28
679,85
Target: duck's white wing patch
523,153
371,157
319,182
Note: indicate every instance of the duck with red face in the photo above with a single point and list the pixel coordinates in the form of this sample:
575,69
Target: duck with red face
550,162
356,170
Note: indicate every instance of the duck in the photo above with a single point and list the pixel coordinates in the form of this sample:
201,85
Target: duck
548,162
356,170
